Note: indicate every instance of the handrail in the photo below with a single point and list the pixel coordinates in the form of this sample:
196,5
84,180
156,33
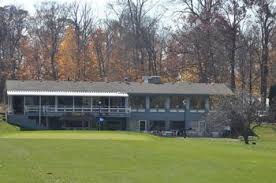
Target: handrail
53,109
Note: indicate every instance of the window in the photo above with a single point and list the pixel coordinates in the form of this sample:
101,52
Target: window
197,103
157,125
177,125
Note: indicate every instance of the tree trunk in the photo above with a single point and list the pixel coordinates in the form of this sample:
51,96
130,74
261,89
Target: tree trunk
246,136
264,73
250,79
233,61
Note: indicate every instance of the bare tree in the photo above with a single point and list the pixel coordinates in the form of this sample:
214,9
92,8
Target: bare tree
239,112
234,12
49,23
251,52
12,27
139,33
265,17
201,17
82,19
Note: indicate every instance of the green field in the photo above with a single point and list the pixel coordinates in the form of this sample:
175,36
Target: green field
86,156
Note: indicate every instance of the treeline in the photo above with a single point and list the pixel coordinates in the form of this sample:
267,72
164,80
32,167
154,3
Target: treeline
229,41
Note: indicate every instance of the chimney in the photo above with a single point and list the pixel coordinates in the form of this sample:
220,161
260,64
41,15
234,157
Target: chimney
152,79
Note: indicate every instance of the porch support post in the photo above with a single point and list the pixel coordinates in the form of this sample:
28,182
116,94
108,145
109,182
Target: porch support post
109,104
74,104
9,107
39,115
147,103
167,104
24,104
56,103
11,104
167,125
187,124
126,104
91,104
188,104
47,122
207,104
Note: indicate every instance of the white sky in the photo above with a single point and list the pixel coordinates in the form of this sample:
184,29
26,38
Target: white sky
99,6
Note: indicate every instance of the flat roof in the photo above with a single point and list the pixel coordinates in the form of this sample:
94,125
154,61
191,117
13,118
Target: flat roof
85,88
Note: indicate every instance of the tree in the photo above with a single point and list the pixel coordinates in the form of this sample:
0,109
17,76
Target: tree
265,18
81,19
139,34
249,69
12,27
48,25
201,35
239,112
234,12
67,64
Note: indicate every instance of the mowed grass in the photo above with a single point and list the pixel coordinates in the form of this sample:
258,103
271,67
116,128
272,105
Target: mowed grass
87,156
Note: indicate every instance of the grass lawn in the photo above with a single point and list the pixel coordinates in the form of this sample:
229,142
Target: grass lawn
84,156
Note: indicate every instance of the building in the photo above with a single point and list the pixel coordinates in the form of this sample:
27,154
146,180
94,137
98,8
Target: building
133,106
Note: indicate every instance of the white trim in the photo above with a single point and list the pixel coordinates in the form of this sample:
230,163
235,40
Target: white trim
65,93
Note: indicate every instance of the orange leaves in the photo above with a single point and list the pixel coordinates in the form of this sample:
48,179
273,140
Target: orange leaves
67,56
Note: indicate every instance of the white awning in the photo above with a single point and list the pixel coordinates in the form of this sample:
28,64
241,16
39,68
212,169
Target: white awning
67,93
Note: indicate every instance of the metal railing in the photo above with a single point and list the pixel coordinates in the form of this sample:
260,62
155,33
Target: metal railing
65,109
95,109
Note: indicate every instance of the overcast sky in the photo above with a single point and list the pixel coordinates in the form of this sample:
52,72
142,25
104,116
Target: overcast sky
99,6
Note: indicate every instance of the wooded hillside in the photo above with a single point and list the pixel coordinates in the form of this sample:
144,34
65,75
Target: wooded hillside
229,41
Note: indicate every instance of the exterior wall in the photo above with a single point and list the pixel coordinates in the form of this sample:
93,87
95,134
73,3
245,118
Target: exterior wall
133,125
132,118
192,117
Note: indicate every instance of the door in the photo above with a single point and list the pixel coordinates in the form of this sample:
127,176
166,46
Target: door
142,125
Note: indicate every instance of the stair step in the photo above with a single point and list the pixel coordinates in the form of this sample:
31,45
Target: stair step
25,122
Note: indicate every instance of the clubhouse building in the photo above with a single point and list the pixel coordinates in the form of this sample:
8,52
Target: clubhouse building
134,106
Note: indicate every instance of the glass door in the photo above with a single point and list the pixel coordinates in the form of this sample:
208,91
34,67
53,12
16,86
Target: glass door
142,125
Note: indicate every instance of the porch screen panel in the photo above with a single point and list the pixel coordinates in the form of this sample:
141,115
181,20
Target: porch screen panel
65,101
48,100
176,102
86,101
82,102
31,100
157,102
104,101
117,102
137,102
